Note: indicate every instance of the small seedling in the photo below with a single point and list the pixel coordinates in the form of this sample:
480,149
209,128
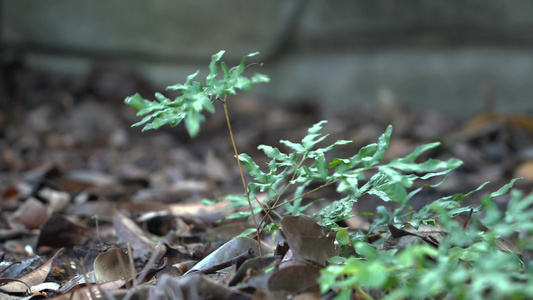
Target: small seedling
96,218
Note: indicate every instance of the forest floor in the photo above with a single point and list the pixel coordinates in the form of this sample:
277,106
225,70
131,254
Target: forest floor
75,175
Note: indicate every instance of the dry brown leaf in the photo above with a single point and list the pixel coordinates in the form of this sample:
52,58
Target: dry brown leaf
228,251
206,214
401,238
86,292
128,232
193,286
9,193
58,231
100,208
34,278
112,265
31,215
251,272
295,279
307,296
308,240
525,170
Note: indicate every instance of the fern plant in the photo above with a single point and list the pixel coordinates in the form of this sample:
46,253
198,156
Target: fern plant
195,98
468,263
290,175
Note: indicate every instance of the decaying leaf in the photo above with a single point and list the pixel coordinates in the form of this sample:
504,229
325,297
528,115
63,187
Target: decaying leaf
58,231
87,291
307,240
193,286
31,215
34,278
128,231
295,279
251,272
14,269
112,265
57,201
229,250
401,238
178,261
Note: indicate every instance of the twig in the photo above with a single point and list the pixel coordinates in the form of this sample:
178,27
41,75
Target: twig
468,219
144,272
85,277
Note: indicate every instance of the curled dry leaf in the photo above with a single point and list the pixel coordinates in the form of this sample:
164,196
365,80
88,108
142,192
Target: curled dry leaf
178,260
32,279
14,280
112,265
185,266
228,251
57,201
46,286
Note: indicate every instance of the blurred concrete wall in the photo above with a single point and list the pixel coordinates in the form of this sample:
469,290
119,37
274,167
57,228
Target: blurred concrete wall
438,54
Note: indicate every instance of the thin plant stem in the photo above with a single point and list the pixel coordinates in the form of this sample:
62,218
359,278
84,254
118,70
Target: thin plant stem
304,194
363,293
267,215
242,177
101,245
272,208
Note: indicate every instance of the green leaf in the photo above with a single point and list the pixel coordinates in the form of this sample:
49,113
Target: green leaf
313,135
382,146
365,214
419,150
394,192
320,163
253,168
257,78
343,237
384,218
337,260
430,165
248,232
195,97
192,122
213,68
504,189
276,155
365,250
208,202
299,149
